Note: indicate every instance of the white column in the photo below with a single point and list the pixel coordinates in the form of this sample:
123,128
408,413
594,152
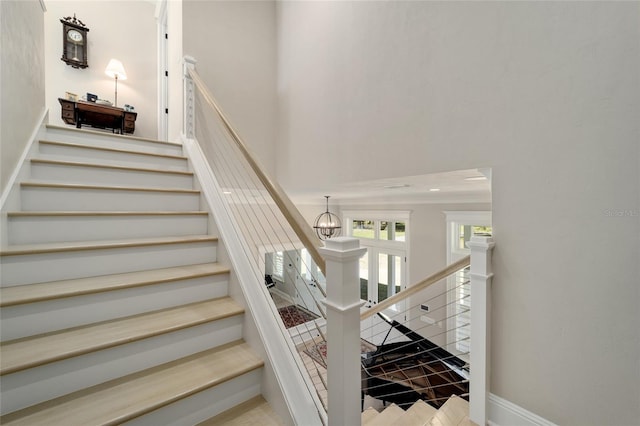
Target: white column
480,276
189,98
343,303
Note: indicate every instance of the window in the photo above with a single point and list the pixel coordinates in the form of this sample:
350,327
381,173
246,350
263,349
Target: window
384,234
461,226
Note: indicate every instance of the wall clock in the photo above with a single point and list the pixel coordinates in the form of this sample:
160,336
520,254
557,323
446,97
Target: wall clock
74,42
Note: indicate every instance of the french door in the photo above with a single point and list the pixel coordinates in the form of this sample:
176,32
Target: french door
382,275
383,270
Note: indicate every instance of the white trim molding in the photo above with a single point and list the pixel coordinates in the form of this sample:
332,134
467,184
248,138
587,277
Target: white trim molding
36,134
506,413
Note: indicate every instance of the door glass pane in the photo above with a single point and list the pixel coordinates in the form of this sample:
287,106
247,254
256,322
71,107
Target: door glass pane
362,229
389,275
364,278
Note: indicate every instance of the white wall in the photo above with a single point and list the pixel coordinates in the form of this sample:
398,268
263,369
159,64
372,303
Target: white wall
545,93
125,30
234,43
22,79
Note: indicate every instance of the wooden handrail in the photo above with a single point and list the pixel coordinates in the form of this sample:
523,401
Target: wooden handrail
286,206
434,278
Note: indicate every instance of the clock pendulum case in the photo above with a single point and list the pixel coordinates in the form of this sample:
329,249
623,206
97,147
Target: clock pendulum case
74,42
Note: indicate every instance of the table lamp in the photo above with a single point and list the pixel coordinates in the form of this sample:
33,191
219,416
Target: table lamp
115,69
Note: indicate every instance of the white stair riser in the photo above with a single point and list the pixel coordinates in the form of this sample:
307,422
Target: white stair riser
51,229
62,199
42,317
204,405
105,176
37,268
38,384
72,153
110,140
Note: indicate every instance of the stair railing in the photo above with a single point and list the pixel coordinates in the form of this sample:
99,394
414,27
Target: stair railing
258,223
257,219
431,340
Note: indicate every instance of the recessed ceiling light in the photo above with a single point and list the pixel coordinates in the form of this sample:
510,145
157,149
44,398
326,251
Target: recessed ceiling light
434,189
396,186
476,178
226,192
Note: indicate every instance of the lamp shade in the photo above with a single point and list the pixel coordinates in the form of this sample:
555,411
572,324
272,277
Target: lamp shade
115,69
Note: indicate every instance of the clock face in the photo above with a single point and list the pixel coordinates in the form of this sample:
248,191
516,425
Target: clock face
75,36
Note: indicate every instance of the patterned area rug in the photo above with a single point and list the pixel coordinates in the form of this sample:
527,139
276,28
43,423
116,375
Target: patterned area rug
293,315
318,352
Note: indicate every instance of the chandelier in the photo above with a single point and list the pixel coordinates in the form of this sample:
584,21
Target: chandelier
327,224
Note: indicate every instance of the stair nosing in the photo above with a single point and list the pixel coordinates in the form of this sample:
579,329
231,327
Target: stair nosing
153,374
36,184
130,137
108,166
105,343
84,286
117,150
101,245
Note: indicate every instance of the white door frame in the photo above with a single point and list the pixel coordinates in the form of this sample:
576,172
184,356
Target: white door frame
163,67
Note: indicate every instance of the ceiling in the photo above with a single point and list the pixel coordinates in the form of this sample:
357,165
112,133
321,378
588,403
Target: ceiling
461,186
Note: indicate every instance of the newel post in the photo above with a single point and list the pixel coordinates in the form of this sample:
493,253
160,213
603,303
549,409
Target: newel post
480,276
343,329
188,119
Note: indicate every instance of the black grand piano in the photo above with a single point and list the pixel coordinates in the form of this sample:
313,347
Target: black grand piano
404,372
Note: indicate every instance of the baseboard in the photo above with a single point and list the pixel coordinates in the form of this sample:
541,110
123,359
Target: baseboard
38,130
282,294
505,413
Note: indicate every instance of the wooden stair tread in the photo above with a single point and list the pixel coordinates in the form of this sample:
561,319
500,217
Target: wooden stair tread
37,184
368,415
454,412
255,411
99,245
20,354
68,163
30,293
109,149
419,414
123,399
386,416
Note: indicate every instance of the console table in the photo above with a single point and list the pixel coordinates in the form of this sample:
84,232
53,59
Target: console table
98,116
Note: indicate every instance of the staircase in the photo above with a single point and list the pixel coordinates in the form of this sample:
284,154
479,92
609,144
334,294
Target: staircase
454,412
113,306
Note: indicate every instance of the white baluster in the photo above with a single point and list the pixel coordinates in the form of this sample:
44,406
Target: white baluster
189,121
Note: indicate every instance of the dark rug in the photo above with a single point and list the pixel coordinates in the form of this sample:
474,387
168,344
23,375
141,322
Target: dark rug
318,352
293,315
